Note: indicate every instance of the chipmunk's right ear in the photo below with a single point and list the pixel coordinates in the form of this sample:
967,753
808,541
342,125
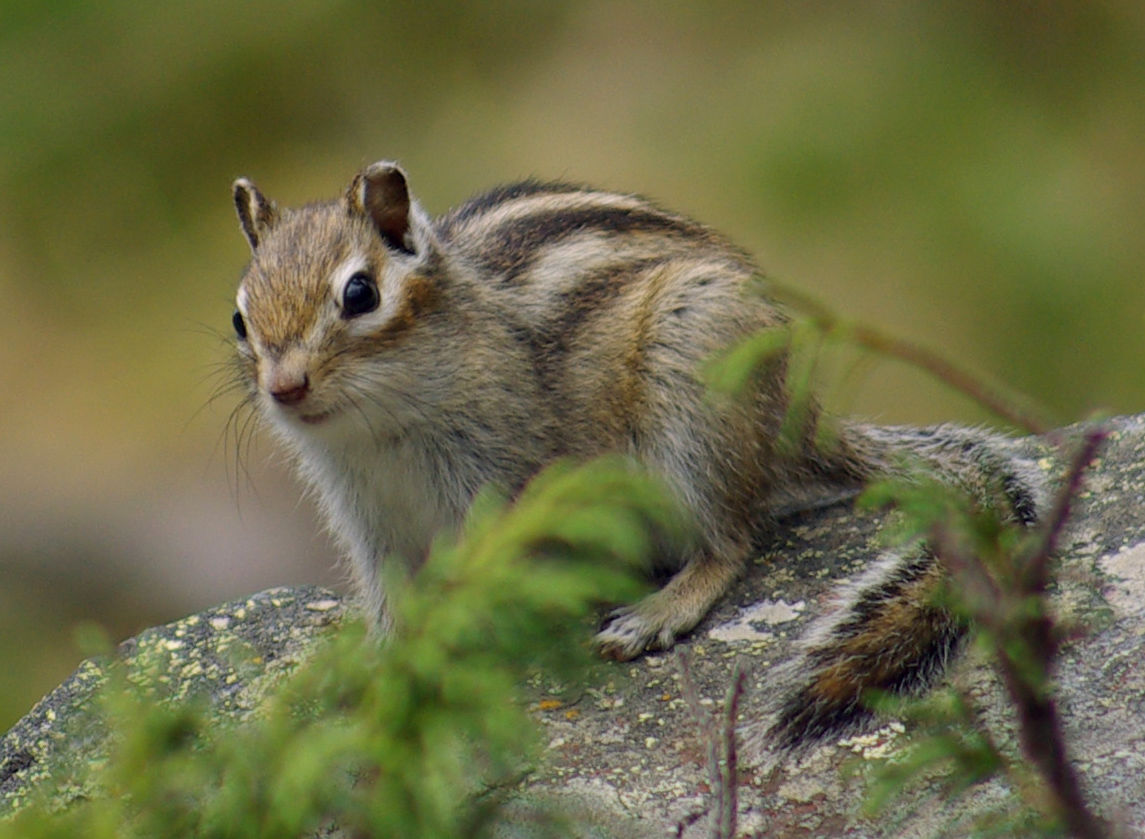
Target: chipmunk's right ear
256,214
380,193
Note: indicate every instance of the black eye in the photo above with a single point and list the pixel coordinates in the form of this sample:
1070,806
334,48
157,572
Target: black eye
239,324
360,295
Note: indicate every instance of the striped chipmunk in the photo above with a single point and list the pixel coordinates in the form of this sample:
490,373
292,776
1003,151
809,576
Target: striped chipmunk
405,362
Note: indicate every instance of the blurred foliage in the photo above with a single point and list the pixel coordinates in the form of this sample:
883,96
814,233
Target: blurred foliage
967,175
426,736
999,578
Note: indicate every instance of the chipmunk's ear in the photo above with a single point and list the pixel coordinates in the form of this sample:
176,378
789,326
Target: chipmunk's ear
380,193
256,214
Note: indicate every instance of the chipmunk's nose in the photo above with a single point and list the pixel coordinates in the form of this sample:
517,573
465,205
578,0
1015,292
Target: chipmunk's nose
288,388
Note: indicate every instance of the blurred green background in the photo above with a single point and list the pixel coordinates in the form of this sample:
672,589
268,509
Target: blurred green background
970,175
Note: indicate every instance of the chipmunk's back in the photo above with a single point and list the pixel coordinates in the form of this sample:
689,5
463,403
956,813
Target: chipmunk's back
609,294
533,233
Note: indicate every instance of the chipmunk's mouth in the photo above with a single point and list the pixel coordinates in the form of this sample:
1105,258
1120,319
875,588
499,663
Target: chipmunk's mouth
315,419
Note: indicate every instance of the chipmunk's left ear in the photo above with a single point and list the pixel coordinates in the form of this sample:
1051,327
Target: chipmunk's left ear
257,215
380,193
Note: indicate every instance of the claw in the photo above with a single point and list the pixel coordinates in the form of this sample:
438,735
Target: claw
626,635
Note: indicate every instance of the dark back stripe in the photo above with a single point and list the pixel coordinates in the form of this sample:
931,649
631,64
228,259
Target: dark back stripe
481,204
550,340
594,292
510,249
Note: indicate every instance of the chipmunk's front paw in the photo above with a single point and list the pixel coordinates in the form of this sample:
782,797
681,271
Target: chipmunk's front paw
629,632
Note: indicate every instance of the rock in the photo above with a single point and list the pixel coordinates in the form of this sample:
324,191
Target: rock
231,655
631,750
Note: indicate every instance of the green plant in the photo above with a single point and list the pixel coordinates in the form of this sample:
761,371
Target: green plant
1000,576
423,736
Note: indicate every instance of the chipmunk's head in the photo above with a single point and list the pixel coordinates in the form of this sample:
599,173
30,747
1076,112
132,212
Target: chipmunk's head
332,296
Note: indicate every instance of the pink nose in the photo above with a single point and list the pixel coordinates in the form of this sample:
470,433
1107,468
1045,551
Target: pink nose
290,391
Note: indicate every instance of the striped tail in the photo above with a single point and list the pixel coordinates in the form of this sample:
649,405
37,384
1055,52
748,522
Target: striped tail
890,633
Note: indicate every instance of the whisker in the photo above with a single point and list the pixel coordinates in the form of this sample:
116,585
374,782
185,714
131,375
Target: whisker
226,389
369,387
235,439
374,433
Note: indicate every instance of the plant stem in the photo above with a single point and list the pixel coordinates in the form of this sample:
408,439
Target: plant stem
998,399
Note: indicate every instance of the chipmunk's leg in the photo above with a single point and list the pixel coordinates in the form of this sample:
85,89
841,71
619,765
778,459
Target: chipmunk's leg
660,618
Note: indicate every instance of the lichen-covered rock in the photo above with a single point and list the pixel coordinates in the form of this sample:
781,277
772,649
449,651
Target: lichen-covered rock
230,656
632,750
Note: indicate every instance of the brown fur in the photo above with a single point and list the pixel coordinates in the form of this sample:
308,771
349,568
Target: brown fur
541,321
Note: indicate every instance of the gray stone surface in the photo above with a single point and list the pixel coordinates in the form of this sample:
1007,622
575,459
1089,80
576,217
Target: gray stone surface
230,655
630,749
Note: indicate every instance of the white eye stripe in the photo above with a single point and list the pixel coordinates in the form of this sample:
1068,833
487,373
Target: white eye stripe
388,295
342,274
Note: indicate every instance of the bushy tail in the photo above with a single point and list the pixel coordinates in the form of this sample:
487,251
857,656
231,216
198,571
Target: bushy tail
890,633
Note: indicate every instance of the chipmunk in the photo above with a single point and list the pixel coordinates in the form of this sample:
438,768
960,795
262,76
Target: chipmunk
407,361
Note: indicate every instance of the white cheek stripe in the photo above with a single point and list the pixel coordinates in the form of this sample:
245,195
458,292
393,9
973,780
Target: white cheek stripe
341,275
